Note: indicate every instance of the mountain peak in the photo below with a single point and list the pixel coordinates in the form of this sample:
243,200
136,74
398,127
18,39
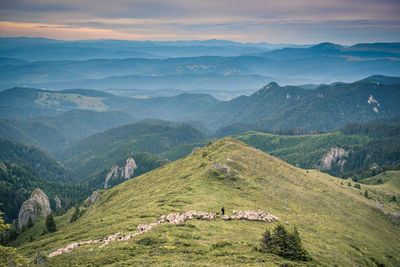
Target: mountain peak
269,86
327,45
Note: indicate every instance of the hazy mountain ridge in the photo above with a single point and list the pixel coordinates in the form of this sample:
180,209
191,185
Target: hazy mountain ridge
321,63
327,107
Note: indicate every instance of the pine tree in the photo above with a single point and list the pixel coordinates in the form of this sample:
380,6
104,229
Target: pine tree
283,243
50,223
76,214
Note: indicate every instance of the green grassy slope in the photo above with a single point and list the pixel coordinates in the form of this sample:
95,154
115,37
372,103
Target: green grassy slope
337,224
44,164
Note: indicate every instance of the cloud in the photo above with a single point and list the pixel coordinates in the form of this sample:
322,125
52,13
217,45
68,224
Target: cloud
295,21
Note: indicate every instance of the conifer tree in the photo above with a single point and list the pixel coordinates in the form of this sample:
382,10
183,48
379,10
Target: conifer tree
76,214
50,223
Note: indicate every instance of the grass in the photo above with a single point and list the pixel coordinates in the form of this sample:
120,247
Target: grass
337,224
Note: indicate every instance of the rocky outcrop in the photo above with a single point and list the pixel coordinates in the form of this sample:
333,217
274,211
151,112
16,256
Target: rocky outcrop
36,206
195,149
224,169
172,218
93,197
125,172
335,155
394,216
58,202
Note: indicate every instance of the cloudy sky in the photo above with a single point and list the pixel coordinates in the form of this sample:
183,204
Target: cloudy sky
274,21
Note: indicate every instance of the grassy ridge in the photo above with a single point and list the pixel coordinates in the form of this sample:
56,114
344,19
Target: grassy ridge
337,224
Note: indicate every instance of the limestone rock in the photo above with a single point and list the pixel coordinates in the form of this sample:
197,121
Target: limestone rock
195,149
125,172
92,197
36,206
334,155
58,202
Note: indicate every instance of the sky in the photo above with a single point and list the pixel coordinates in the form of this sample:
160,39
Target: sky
273,21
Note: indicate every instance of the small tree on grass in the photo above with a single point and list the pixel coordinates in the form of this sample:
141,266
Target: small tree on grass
76,214
50,223
283,243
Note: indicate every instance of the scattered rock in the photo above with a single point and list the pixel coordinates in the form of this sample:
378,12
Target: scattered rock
36,206
224,169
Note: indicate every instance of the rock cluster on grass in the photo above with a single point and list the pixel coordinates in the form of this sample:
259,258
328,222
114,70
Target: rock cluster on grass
223,169
173,218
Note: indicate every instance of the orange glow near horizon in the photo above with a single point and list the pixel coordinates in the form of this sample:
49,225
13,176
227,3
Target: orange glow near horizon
68,33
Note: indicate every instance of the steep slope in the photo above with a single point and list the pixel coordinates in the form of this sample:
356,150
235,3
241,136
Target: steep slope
337,224
54,132
36,133
326,107
17,182
91,155
45,165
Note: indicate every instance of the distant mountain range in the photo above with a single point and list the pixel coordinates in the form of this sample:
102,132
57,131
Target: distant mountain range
33,49
232,66
326,107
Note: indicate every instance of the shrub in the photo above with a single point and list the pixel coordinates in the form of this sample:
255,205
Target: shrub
285,244
149,241
220,244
